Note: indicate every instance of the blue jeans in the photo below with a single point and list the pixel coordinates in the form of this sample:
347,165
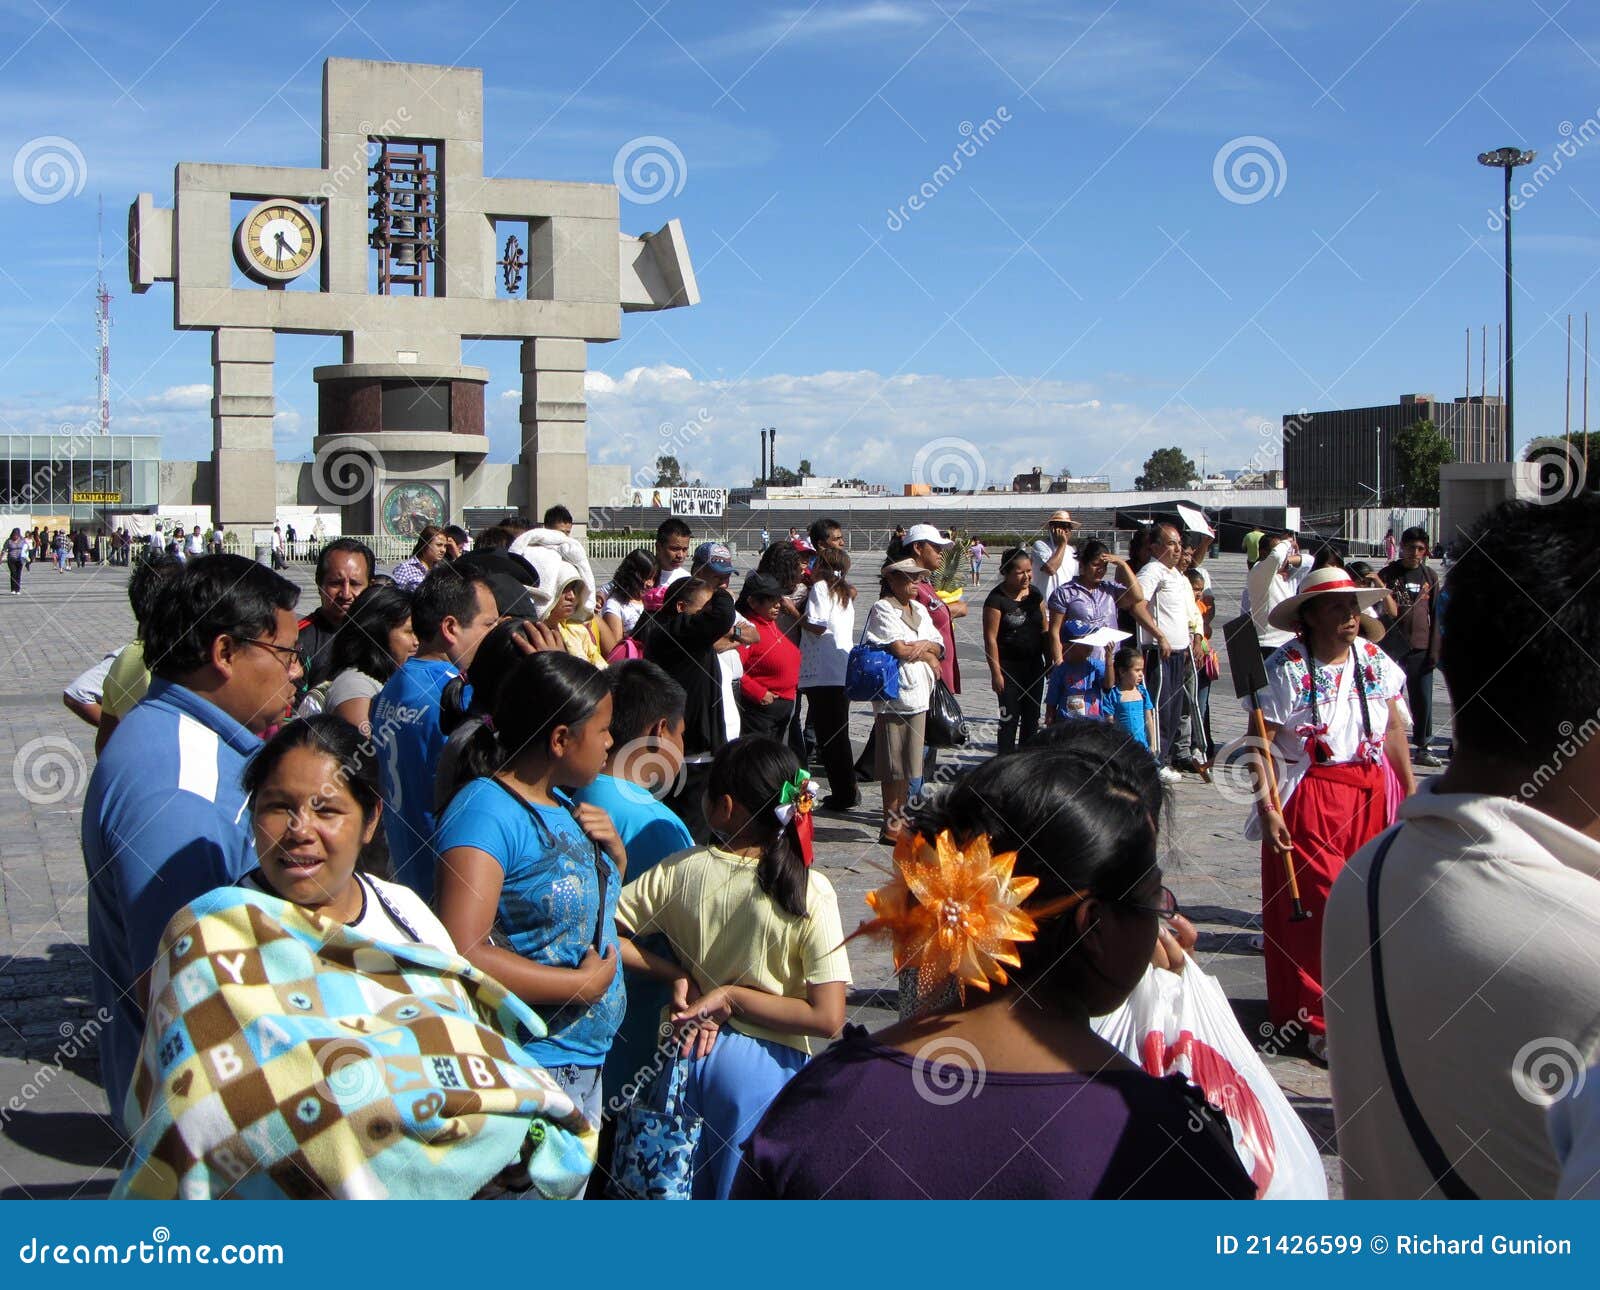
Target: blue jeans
731,1090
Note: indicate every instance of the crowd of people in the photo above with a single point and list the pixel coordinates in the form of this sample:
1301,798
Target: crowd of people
78,548
597,801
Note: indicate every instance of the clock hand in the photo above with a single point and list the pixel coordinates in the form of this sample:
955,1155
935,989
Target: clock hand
282,247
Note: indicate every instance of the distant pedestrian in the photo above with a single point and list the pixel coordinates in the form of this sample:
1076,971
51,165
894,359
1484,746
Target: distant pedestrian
829,632
16,559
975,554
1390,547
1015,647
1412,639
1055,563
901,624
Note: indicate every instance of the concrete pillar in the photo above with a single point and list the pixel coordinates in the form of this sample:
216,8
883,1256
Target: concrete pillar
555,428
246,492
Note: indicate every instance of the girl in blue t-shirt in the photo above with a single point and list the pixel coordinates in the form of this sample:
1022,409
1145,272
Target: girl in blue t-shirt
528,879
1128,704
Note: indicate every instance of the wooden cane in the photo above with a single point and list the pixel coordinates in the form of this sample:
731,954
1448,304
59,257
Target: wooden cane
1298,914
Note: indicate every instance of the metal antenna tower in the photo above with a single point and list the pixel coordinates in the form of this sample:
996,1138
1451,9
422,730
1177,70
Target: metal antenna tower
102,314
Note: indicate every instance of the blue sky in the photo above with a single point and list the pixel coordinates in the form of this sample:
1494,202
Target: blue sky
1081,292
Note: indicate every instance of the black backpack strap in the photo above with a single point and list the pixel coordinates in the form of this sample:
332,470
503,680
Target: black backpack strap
1438,1164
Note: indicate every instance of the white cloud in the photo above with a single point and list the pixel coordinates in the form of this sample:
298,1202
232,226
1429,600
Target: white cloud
178,396
863,424
835,24
634,379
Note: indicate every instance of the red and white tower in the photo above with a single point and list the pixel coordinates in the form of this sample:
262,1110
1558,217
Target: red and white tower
102,314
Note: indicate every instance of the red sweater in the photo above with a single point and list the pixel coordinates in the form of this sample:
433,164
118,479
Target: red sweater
771,663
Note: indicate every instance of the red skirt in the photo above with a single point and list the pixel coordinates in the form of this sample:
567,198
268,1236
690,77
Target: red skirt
1332,813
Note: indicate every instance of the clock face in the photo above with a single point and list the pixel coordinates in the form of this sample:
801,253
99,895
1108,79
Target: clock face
278,240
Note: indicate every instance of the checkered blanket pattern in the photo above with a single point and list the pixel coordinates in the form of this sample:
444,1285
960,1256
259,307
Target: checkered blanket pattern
287,1056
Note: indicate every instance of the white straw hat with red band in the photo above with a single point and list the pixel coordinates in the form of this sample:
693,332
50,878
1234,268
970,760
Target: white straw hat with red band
1285,616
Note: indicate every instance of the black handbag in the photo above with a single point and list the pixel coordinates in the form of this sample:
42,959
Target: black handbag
946,727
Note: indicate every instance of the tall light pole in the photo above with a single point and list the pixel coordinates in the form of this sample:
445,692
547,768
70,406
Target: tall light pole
1379,488
1507,159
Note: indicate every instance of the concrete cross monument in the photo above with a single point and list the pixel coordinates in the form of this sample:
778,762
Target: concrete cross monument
399,244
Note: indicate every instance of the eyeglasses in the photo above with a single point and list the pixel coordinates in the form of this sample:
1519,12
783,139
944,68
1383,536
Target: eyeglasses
293,664
1165,908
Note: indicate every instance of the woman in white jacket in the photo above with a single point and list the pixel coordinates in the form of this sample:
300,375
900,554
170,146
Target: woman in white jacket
899,624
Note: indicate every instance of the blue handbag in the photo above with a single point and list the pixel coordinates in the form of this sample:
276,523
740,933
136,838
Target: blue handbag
871,672
656,1140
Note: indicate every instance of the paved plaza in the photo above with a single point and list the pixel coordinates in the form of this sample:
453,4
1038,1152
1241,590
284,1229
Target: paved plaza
54,1139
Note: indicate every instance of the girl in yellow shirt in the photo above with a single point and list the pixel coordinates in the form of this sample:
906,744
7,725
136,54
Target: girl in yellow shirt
760,935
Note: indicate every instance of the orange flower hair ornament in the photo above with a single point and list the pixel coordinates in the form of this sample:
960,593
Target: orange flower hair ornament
956,911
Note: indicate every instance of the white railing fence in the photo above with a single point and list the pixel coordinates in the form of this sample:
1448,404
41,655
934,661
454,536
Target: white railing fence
604,553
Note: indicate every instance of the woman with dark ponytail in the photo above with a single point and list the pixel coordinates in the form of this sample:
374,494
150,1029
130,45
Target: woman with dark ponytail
682,638
761,934
520,859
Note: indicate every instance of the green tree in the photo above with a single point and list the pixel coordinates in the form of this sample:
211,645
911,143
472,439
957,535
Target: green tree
668,473
783,477
1166,468
805,468
1419,451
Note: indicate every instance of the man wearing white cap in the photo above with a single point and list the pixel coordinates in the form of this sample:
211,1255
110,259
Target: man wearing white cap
1055,563
926,546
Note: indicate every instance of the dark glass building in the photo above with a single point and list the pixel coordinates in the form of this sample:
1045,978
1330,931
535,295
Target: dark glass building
1331,459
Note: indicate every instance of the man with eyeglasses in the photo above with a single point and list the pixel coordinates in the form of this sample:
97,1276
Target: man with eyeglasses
163,819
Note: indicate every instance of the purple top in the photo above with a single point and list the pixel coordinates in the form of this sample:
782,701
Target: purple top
866,1122
1097,603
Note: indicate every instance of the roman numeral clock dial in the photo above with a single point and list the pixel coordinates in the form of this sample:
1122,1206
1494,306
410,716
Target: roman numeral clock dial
277,241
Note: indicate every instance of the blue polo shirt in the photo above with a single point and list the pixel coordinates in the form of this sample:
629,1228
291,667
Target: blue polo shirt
164,822
650,832
405,730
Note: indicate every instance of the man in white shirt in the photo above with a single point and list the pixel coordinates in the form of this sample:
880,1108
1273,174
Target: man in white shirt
1055,563
1167,651
1487,894
1272,580
196,544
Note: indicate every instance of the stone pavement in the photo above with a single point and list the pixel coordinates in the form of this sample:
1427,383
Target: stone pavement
54,1139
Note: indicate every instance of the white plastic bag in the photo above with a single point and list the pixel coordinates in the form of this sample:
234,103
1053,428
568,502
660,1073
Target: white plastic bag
1181,1021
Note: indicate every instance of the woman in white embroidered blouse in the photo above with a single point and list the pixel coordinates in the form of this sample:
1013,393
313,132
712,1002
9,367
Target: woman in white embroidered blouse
1336,718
